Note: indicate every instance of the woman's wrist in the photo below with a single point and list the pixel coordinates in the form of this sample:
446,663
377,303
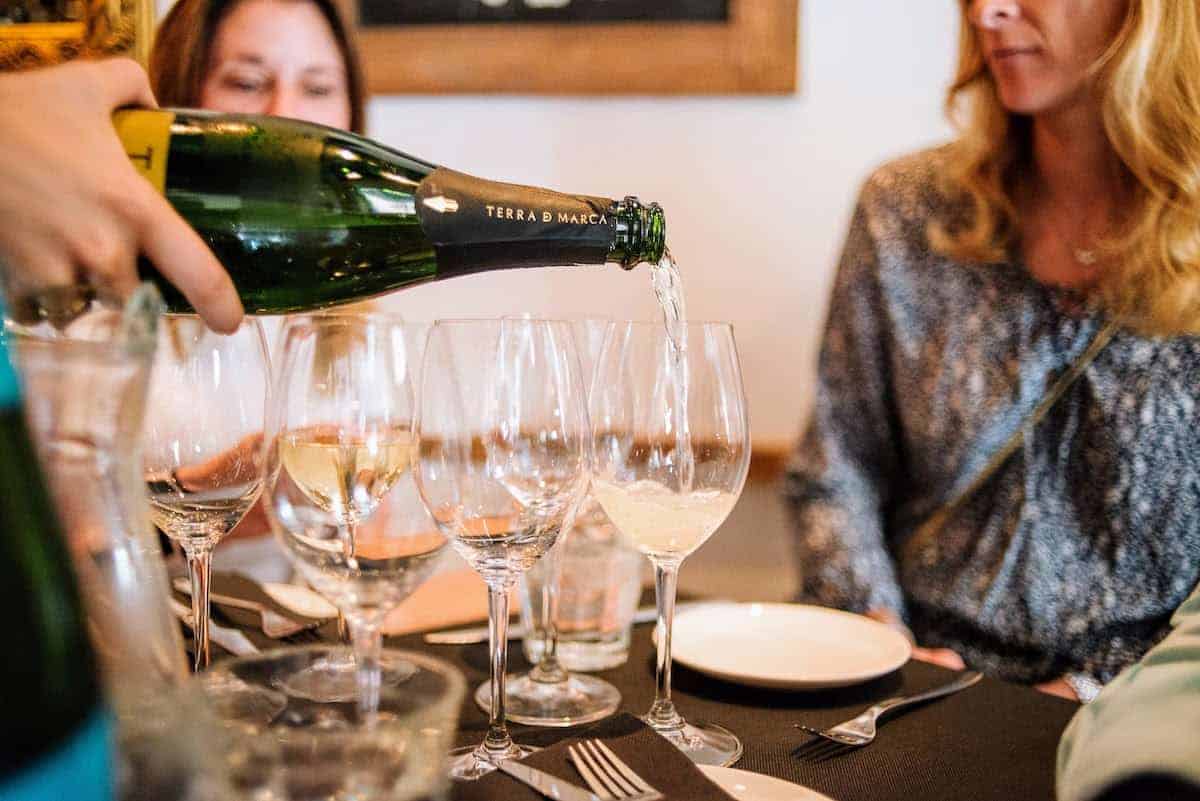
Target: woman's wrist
1084,686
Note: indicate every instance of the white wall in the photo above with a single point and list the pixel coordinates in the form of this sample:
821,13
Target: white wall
757,191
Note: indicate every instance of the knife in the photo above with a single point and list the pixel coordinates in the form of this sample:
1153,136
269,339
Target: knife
231,640
477,634
545,783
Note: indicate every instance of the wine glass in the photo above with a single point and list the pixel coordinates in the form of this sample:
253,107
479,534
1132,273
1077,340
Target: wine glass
503,465
672,450
339,492
203,433
549,695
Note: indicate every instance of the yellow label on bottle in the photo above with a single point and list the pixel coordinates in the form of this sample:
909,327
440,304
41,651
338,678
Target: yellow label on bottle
146,135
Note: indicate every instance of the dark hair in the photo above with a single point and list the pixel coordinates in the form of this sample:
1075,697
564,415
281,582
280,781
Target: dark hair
179,59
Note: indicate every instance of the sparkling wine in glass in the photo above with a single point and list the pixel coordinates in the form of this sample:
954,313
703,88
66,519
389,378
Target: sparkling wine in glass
339,488
672,451
503,466
203,438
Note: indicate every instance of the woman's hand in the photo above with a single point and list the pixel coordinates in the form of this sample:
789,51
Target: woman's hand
945,657
73,208
1058,687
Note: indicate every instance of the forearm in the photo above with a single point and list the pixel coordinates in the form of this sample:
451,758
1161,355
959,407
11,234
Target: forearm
842,558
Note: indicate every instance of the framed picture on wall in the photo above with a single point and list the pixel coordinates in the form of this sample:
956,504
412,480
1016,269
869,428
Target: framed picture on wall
577,46
35,33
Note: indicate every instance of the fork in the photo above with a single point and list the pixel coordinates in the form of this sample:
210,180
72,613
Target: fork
607,774
860,730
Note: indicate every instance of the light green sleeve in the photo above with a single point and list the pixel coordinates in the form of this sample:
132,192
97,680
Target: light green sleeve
1146,719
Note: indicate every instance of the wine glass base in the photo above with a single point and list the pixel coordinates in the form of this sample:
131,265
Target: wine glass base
579,699
474,761
332,679
704,743
249,704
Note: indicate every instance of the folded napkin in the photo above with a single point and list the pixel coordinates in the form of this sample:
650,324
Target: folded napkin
451,598
455,597
661,764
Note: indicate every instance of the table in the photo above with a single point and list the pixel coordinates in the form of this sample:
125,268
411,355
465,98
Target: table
992,741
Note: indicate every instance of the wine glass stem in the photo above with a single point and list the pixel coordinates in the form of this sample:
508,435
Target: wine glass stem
497,740
367,638
548,670
347,533
199,564
662,714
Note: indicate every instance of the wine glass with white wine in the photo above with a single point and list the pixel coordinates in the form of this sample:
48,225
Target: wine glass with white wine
203,436
339,448
503,466
672,451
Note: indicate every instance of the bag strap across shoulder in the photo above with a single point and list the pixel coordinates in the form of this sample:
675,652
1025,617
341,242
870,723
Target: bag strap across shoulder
938,519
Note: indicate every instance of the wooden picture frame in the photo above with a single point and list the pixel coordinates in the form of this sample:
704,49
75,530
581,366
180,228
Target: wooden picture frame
83,29
752,52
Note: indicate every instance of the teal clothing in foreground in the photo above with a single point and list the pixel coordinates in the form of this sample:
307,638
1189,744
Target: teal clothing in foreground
1146,721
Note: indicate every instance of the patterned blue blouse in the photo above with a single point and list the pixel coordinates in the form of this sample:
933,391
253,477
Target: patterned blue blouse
1072,557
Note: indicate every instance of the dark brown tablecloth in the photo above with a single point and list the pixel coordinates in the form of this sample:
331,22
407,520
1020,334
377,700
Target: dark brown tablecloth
992,741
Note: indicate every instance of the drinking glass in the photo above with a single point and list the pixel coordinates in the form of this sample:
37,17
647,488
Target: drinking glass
548,695
282,752
672,450
339,448
203,435
503,465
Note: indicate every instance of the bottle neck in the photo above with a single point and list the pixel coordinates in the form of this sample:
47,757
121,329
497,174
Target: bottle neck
641,233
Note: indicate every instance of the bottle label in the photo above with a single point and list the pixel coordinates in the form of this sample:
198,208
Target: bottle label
477,224
80,770
146,136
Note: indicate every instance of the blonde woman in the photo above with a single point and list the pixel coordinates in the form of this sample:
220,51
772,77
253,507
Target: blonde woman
1005,453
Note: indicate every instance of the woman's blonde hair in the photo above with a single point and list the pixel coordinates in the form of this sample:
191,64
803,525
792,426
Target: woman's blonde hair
1149,84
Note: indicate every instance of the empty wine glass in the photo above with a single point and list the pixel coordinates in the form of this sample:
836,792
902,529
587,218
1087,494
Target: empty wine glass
549,695
672,450
339,447
503,465
203,434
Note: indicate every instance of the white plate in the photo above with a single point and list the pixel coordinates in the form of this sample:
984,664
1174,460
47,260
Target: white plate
746,786
786,646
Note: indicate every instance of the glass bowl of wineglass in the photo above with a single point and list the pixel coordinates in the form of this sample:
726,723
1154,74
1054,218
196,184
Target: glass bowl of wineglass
503,467
338,487
203,436
672,450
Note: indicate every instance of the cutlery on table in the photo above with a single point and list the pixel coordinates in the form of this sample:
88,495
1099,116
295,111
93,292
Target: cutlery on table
232,640
545,783
477,634
607,774
860,730
272,623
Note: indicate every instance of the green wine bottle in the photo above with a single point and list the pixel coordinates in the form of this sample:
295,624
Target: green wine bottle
305,216
55,727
